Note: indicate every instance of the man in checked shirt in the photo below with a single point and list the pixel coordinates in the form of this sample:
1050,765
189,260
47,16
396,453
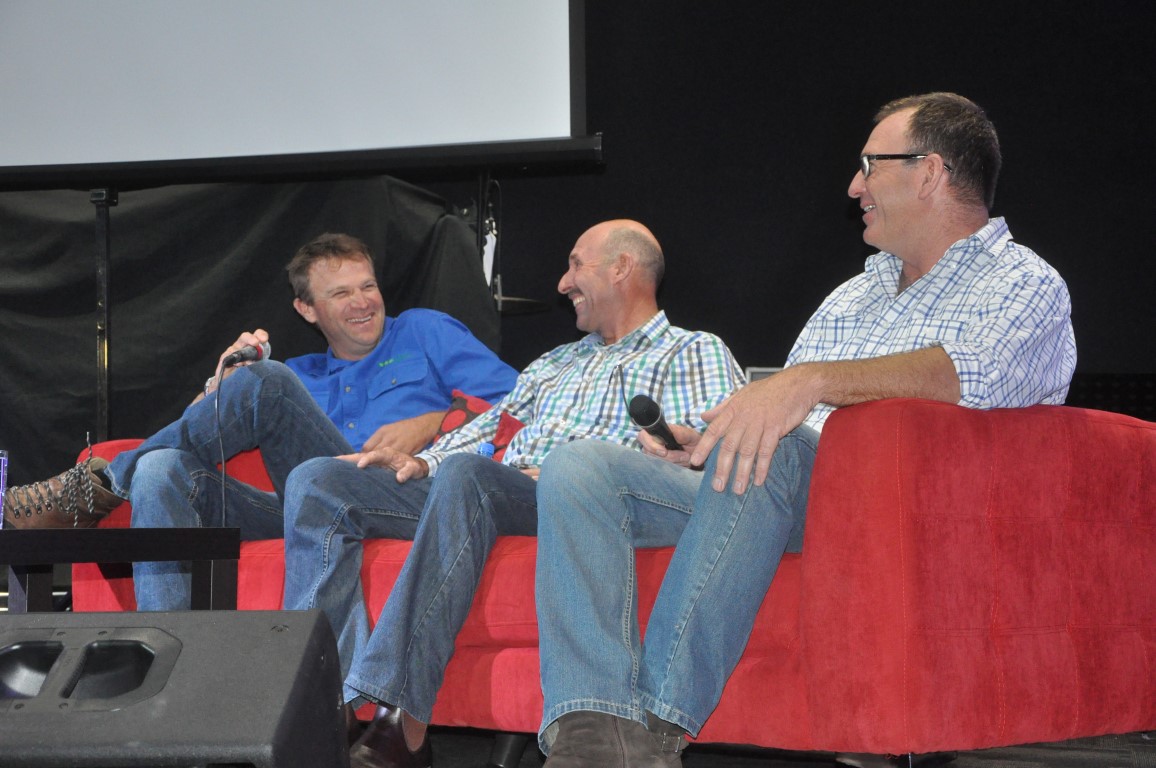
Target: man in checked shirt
950,309
464,500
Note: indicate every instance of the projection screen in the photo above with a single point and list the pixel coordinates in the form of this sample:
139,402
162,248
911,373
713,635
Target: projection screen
166,91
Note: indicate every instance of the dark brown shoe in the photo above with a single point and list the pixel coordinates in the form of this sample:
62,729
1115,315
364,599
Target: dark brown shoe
588,739
73,499
669,742
383,745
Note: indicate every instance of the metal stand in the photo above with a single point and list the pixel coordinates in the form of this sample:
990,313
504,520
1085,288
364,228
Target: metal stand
103,199
488,225
507,750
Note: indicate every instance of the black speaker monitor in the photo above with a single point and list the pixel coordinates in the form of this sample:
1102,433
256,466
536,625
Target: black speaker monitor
195,688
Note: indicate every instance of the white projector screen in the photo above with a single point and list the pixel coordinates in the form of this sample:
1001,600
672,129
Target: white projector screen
158,86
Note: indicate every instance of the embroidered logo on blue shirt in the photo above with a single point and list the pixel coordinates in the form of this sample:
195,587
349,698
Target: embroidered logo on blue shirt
390,361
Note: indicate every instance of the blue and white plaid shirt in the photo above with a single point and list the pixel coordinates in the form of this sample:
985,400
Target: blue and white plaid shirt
581,390
1000,312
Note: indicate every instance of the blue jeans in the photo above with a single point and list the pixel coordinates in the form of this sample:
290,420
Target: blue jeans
597,502
472,500
331,506
172,479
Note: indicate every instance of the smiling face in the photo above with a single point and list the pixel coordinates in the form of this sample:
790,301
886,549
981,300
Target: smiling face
887,197
346,305
588,283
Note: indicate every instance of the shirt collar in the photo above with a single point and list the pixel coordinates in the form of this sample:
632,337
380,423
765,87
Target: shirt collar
988,240
652,329
334,364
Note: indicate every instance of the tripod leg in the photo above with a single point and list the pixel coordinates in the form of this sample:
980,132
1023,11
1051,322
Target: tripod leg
507,750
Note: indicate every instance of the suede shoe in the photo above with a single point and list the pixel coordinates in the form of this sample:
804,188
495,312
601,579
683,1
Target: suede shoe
383,745
598,740
589,739
666,743
75,498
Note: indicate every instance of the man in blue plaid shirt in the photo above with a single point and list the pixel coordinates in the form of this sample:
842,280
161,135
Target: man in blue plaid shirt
463,500
951,309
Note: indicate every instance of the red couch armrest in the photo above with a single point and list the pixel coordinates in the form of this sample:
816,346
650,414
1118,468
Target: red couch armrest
979,578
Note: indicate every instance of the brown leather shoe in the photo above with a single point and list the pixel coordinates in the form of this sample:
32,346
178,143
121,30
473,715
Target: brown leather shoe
73,499
669,742
588,739
383,745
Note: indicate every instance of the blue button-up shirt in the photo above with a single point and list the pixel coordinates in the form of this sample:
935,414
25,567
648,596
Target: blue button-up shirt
422,358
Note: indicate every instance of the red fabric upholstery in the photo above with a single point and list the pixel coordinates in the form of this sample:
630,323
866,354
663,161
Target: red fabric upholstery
992,574
970,579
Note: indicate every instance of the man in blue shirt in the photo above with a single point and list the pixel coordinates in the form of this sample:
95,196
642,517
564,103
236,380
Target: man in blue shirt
950,309
383,382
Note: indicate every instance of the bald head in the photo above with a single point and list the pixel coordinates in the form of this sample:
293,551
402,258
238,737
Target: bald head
615,269
633,238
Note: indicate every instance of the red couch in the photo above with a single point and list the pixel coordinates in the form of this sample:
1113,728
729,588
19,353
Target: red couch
970,579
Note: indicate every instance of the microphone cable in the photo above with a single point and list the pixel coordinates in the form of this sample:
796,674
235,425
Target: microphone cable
220,437
249,353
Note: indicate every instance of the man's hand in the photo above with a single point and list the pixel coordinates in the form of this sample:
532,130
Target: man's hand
408,435
405,466
749,424
685,436
246,339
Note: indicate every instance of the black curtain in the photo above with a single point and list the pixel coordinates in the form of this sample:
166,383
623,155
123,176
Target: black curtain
190,268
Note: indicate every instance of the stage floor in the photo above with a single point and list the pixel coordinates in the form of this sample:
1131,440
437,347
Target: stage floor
458,748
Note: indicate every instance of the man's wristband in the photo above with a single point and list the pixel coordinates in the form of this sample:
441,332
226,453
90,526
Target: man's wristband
210,385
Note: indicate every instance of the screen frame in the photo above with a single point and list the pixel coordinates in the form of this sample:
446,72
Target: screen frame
579,150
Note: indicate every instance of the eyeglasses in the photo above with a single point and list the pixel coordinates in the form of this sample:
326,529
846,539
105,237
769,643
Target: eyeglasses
866,160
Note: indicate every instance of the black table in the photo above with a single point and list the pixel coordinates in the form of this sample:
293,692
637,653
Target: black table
30,555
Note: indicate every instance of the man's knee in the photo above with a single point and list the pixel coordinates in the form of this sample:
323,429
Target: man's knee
163,466
467,476
320,472
464,465
163,483
271,376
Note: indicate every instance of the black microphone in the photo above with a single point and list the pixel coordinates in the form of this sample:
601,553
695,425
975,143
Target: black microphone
248,353
648,415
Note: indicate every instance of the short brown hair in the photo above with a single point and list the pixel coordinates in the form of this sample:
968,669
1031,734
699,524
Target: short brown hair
326,246
960,131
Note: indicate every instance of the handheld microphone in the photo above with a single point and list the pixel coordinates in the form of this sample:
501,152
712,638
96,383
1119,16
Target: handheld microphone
248,353
648,415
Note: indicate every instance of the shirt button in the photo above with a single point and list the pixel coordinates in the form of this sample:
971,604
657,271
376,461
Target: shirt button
348,389
393,381
351,425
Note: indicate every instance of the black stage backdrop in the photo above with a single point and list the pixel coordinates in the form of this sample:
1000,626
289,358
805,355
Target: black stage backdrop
191,267
732,129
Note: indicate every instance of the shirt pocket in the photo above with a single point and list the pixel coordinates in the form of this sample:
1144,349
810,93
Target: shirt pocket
940,330
406,373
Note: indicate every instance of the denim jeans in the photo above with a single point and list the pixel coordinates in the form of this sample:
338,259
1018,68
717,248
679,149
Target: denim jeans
172,479
472,500
331,506
453,519
597,502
